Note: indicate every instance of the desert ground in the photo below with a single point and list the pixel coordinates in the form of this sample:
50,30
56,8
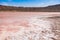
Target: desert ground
29,25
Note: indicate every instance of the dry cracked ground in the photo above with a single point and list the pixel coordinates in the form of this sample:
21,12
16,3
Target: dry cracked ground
29,26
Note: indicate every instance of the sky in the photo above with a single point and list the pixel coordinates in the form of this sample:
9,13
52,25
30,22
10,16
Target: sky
29,3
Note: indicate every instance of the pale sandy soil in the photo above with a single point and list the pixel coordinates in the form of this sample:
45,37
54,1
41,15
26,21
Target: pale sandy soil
29,26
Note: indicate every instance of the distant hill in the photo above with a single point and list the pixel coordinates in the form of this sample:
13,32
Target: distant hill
52,8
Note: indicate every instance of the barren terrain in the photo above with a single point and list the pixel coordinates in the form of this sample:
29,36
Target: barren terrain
29,25
51,8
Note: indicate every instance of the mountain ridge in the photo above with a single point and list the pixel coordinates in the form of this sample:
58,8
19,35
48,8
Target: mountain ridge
52,8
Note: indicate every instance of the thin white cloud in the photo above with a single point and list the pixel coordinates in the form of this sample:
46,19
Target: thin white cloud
38,4
50,2
4,3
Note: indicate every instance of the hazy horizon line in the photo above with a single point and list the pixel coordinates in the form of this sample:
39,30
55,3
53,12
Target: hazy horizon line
29,6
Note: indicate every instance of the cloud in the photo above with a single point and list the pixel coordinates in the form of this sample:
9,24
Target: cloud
4,3
47,3
36,3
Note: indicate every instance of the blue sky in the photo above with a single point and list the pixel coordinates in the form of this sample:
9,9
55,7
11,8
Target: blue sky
29,3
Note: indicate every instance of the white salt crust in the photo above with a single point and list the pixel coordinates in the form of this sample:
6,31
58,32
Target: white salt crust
39,29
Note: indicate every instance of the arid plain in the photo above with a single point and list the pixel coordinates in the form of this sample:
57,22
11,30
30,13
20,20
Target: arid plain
29,25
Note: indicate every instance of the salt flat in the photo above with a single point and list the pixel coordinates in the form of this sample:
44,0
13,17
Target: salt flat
11,16
29,26
27,14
